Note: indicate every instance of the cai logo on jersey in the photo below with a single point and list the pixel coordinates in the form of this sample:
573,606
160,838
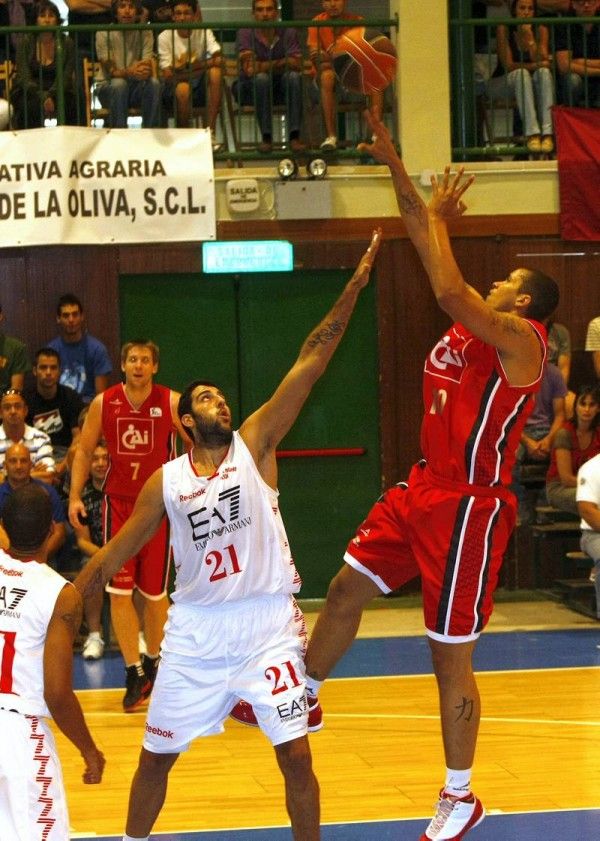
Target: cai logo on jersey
135,437
445,361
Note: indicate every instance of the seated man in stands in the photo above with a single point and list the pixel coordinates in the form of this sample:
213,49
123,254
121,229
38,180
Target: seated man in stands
592,343
577,441
270,73
127,78
588,502
13,356
190,63
18,473
320,42
52,407
14,430
577,55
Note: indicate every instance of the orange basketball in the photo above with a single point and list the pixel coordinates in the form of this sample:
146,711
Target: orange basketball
364,61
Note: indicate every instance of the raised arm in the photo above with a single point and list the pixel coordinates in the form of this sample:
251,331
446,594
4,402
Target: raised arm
410,204
514,337
144,520
84,449
264,429
58,681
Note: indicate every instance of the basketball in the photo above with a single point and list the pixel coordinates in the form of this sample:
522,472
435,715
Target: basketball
364,61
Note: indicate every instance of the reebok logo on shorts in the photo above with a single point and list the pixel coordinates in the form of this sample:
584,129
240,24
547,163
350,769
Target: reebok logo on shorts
158,731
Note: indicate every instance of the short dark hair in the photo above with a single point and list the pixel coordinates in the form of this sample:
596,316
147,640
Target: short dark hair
513,8
274,2
544,294
68,300
193,4
115,3
27,516
184,407
47,351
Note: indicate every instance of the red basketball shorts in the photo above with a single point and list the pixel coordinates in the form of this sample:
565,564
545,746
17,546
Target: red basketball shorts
454,536
149,569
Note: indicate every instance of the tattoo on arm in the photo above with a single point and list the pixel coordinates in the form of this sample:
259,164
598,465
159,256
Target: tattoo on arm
72,620
94,585
465,710
411,205
325,334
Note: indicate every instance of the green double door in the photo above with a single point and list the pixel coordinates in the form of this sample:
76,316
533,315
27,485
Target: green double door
244,332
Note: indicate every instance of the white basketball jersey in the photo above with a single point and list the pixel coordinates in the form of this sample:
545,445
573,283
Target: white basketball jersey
28,593
227,534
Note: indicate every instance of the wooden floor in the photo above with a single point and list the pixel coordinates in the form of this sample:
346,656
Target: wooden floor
379,755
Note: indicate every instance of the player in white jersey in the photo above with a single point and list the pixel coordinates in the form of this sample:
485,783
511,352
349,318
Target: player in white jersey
40,613
234,629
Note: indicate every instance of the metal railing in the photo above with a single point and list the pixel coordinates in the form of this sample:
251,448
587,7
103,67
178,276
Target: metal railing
238,127
485,126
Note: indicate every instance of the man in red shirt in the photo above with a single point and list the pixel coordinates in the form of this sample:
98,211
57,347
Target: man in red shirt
138,420
320,41
450,523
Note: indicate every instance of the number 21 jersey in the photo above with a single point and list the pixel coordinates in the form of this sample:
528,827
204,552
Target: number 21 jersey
227,533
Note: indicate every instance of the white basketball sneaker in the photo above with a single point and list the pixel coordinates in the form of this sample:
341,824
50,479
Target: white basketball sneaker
453,818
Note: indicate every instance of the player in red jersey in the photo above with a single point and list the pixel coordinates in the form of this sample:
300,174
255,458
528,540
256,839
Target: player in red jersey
138,420
452,521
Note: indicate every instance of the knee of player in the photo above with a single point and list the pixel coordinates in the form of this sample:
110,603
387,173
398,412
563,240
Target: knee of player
295,761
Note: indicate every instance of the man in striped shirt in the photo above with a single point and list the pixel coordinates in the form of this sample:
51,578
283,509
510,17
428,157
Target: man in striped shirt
14,430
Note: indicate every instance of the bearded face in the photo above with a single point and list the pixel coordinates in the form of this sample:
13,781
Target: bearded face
212,432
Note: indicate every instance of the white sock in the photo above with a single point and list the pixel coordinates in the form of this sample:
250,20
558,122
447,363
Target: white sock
458,783
94,635
135,838
313,686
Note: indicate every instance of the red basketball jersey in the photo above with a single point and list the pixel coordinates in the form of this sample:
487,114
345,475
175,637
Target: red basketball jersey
473,417
139,441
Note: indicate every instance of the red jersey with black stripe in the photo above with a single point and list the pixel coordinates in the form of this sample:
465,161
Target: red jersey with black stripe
473,416
139,440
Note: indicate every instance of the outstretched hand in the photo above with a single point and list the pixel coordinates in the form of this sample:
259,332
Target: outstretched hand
363,270
446,200
381,147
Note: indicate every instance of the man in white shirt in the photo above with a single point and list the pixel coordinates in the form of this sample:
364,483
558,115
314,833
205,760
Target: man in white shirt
190,64
592,343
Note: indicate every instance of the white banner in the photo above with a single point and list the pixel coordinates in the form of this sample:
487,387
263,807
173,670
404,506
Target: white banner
89,186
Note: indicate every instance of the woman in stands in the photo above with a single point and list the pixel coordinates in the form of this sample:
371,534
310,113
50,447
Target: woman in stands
34,90
524,73
574,444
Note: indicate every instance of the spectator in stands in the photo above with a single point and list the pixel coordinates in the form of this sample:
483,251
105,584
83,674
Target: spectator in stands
14,363
546,419
158,11
270,63
592,343
588,503
18,473
84,361
91,13
127,76
577,54
577,441
559,354
485,59
320,43
14,430
89,540
524,73
13,13
34,89
52,407
191,66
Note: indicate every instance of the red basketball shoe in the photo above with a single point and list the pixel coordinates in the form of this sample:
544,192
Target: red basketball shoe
244,713
454,817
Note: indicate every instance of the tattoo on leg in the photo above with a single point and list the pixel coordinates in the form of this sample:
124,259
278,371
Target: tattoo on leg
465,710
327,333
